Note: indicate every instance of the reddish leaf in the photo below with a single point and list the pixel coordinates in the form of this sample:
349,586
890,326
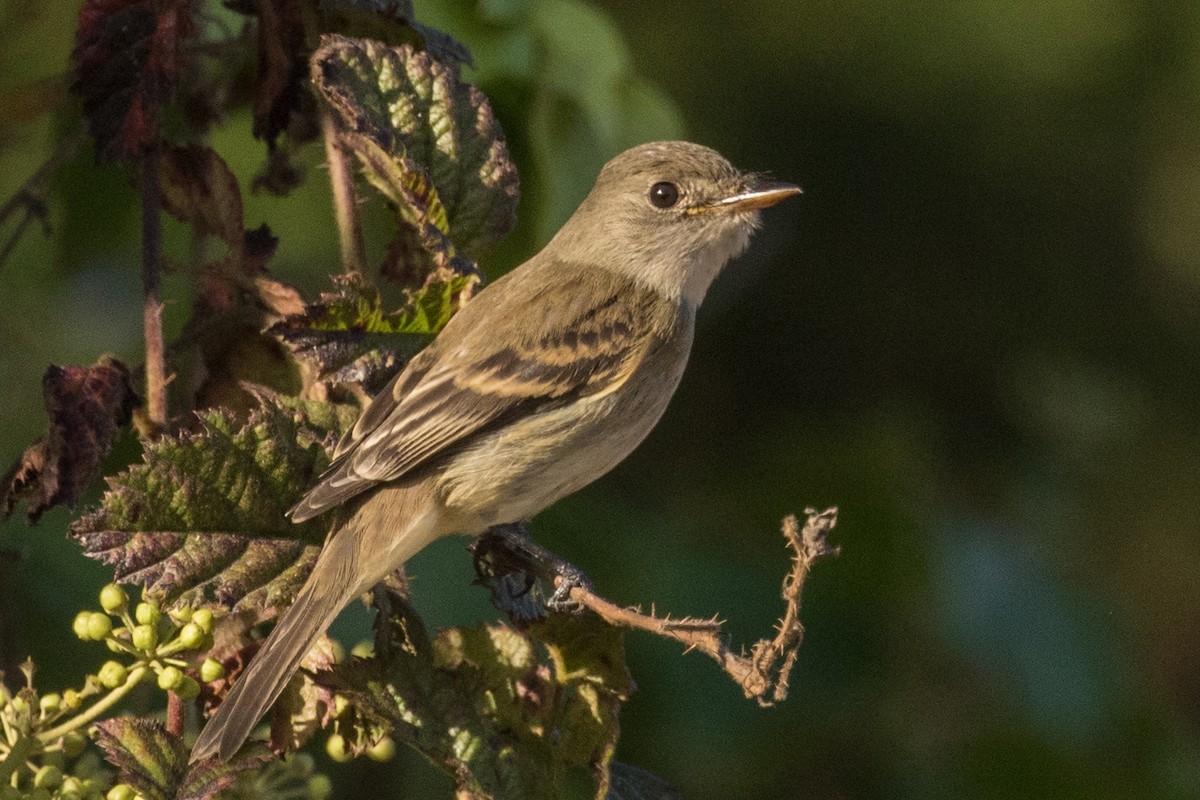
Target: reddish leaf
87,407
128,59
199,188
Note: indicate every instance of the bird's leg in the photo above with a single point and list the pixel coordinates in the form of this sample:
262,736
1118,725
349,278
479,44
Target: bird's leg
506,549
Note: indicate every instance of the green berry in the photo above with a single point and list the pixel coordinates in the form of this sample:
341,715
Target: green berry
204,618
320,787
122,791
71,700
112,674
181,614
71,789
335,747
19,704
113,599
211,670
48,777
189,688
363,650
147,614
383,750
98,626
145,638
73,745
80,625
49,703
170,678
192,636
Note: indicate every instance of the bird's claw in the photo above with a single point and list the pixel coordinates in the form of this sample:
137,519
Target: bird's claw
568,577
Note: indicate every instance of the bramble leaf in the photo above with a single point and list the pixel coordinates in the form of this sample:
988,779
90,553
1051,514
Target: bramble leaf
146,756
428,141
202,518
349,337
155,762
87,407
481,702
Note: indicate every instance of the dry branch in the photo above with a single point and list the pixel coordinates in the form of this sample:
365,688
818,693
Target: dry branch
29,197
762,673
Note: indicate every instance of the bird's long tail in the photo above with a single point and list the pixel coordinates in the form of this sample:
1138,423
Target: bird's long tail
356,557
327,591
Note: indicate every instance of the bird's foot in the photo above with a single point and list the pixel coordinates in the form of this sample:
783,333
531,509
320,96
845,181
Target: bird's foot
508,551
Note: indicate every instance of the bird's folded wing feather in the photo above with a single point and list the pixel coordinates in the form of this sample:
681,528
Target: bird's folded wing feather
554,344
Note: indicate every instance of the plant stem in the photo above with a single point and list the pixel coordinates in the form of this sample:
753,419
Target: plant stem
108,701
345,204
174,714
152,308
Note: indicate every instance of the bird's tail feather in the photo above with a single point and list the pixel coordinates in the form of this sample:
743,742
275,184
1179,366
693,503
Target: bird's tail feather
327,591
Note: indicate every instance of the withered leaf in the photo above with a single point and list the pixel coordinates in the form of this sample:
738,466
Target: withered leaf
87,407
127,63
197,187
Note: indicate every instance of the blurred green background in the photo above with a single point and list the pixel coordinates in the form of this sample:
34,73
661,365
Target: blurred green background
977,332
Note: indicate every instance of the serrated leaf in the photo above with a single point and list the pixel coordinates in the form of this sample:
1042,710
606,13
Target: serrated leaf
146,756
87,407
482,702
202,518
350,337
428,141
208,779
127,63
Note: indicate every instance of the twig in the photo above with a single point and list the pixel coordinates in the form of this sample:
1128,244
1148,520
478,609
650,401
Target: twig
29,196
152,307
175,713
763,674
345,205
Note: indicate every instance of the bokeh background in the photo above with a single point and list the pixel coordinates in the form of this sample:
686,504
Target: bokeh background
977,333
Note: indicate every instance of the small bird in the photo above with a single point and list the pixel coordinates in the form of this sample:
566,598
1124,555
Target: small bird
537,387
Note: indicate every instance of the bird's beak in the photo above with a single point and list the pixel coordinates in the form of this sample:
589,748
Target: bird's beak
758,194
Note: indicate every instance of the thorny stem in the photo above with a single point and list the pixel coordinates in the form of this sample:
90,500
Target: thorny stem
152,308
345,204
175,712
761,674
103,704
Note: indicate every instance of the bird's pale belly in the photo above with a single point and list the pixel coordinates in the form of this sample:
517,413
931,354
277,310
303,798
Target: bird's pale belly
550,455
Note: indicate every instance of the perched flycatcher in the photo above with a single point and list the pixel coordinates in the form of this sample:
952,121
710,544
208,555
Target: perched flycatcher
537,387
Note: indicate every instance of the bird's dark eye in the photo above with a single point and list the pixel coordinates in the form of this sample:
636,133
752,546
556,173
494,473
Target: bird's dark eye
664,194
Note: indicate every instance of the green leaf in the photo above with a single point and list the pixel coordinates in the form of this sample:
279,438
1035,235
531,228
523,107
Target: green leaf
146,756
154,761
350,337
484,703
202,518
428,141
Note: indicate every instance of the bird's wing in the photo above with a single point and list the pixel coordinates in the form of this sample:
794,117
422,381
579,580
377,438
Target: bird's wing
542,346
